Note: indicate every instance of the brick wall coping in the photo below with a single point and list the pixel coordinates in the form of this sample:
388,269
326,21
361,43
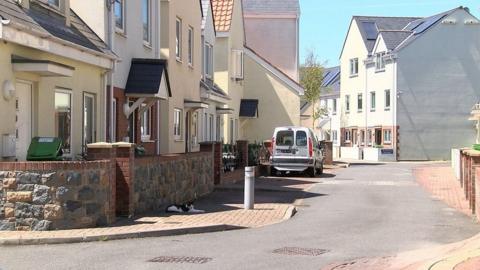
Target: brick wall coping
172,157
104,145
471,152
52,165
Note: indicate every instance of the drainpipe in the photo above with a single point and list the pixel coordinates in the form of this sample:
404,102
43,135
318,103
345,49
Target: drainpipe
366,108
156,41
395,96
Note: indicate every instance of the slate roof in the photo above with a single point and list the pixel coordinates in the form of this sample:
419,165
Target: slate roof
50,23
222,14
209,85
205,10
249,108
145,76
271,6
393,38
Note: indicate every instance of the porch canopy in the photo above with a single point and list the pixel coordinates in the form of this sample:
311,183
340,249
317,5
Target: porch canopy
224,110
44,68
194,105
148,82
249,108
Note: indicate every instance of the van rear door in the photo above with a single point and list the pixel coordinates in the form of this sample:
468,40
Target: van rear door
284,142
301,143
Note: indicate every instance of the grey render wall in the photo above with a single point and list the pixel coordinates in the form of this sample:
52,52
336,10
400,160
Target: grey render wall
438,83
281,50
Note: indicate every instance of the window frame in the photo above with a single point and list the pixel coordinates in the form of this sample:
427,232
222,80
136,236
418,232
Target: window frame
380,61
118,29
238,64
114,120
348,136
373,101
334,106
178,39
347,103
191,45
387,139
208,65
147,41
94,118
359,102
54,5
66,151
146,125
387,100
177,124
354,67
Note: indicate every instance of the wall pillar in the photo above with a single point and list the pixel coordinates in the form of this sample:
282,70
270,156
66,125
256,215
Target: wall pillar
242,147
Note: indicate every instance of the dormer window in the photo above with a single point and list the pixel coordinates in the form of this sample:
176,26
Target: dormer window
380,62
55,3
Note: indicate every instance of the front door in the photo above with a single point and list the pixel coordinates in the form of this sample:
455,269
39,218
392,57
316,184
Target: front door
23,124
378,137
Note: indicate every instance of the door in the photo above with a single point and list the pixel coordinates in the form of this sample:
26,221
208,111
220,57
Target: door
23,124
378,137
301,143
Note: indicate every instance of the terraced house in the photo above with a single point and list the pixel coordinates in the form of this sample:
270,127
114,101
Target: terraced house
405,82
53,79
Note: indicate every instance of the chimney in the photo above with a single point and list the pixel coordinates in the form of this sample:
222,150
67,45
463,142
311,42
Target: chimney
65,9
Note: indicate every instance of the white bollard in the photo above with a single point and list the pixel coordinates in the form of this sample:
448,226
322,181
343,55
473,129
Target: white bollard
249,188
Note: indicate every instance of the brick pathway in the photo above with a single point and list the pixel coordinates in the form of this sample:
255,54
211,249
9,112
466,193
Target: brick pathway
440,181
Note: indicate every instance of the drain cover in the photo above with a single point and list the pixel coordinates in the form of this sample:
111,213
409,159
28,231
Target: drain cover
180,259
300,251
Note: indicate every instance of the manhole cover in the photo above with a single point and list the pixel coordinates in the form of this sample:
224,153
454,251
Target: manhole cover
180,259
300,251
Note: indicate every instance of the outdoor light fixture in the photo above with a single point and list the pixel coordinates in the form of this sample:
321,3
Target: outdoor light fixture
8,90
3,22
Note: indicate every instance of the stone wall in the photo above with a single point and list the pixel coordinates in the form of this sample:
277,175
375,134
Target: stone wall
163,180
55,195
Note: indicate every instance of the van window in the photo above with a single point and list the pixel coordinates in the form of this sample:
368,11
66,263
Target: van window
284,138
301,138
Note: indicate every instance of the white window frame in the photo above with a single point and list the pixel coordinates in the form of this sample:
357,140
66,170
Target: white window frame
347,103
353,67
387,136
52,4
334,136
178,39
380,61
114,120
359,102
148,39
218,127
387,99
373,101
208,65
70,93
334,106
238,64
177,124
211,127
348,135
94,117
121,29
146,124
191,46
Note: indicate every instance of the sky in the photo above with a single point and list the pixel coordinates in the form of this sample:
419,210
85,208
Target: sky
324,23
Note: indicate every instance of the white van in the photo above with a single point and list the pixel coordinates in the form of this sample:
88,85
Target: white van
296,149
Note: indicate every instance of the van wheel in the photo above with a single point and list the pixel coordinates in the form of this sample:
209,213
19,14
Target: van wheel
320,170
312,172
273,171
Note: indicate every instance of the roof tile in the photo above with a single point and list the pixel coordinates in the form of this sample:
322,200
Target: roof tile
222,13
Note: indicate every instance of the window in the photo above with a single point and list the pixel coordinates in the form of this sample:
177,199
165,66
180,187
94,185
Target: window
194,127
360,102
372,101
380,62
387,136
114,120
218,128
205,127
119,11
88,119
63,118
334,106
347,103
301,138
146,20
177,124
284,138
362,137
210,130
387,100
369,137
190,46
178,40
354,67
348,136
146,124
334,136
208,58
55,3
237,57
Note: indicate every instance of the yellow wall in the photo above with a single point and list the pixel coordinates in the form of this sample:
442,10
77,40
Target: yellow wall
86,78
279,105
184,79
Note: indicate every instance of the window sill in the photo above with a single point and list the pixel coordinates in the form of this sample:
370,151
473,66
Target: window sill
379,70
353,75
190,66
387,143
120,32
147,45
387,109
360,111
372,110
347,112
179,60
178,140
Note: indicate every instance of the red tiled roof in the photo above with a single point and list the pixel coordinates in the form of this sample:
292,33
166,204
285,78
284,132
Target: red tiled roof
222,14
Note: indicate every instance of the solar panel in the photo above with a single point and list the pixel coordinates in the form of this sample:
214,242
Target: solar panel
428,23
371,30
412,25
330,79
